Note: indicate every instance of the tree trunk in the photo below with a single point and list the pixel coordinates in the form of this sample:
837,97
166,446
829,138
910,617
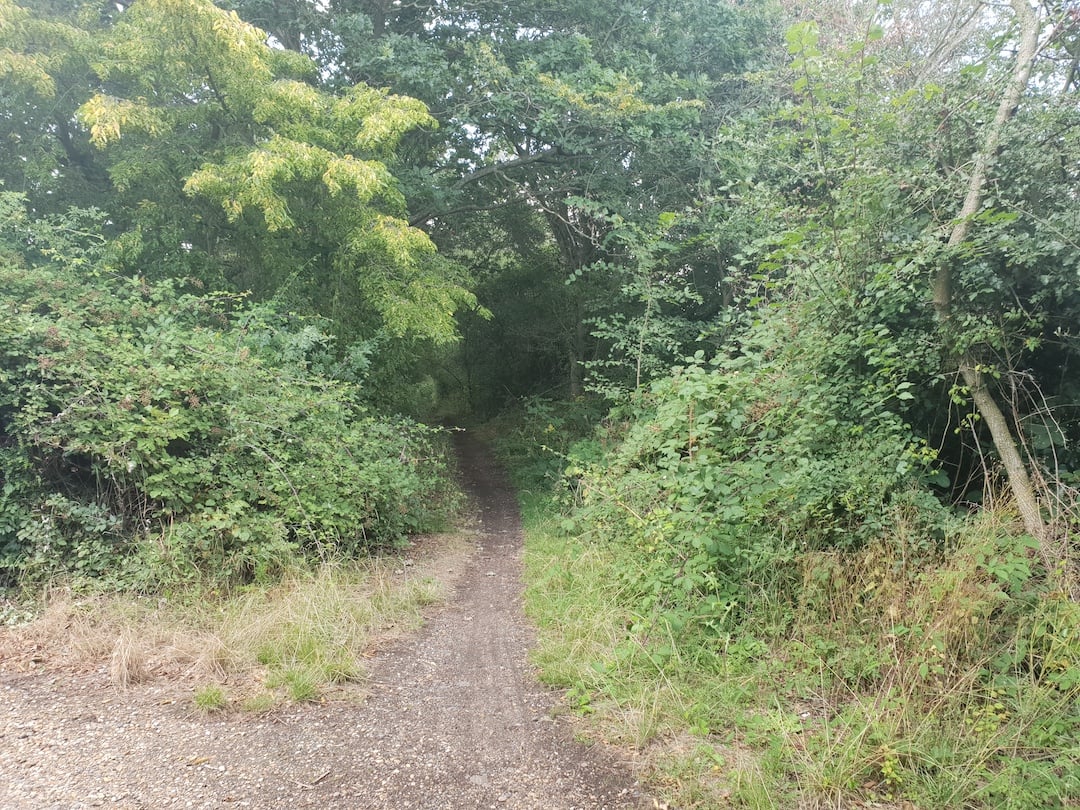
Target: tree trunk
996,422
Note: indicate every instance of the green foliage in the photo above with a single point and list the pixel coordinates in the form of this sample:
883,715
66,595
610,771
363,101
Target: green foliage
218,157
299,684
877,175
548,115
912,669
535,438
773,514
649,323
956,701
727,470
153,435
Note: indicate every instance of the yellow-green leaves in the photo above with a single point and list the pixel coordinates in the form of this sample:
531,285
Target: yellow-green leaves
363,119
194,107
412,291
288,100
107,116
396,116
374,120
189,49
28,49
20,69
803,39
262,178
365,178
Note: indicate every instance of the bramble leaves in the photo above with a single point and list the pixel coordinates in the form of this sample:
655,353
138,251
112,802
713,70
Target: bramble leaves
149,435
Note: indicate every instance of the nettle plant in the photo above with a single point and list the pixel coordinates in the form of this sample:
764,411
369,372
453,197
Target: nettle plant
149,435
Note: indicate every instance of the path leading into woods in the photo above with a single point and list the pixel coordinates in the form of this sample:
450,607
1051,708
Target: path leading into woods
455,719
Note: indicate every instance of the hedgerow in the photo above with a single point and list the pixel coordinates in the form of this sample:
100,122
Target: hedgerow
151,434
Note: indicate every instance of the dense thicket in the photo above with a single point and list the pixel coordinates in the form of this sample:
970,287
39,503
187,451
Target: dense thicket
557,122
216,156
800,277
151,435
840,292
620,192
209,281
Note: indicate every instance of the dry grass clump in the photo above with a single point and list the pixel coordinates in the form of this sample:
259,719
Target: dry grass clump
127,665
261,645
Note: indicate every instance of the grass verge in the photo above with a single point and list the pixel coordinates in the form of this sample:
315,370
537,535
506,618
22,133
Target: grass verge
942,686
632,696
304,638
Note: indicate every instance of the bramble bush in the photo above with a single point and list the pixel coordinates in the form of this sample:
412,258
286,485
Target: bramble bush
726,470
151,435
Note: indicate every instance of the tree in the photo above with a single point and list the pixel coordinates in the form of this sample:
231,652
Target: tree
46,75
971,370
906,184
542,106
224,161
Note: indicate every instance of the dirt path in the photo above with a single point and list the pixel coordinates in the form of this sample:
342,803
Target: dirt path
455,720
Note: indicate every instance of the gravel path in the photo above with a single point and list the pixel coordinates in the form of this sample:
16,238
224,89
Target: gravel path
455,719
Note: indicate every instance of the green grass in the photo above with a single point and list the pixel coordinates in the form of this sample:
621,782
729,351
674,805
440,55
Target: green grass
210,698
666,709
301,683
932,686
311,631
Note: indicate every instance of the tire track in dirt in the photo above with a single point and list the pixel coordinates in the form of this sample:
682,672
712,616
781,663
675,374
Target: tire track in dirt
488,739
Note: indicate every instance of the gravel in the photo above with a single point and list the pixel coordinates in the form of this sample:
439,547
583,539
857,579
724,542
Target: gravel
454,718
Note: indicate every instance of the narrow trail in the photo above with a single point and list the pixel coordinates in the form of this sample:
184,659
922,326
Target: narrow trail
487,739
455,719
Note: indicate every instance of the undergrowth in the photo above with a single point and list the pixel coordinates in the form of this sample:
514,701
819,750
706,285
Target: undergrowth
941,690
914,669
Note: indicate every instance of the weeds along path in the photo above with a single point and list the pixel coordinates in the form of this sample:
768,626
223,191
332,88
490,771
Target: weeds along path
454,719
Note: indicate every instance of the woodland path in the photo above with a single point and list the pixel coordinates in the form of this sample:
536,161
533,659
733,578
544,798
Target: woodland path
455,719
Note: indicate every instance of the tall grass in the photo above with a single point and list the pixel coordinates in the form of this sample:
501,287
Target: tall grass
902,674
632,691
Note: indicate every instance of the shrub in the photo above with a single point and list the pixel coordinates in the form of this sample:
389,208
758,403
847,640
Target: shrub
151,434
725,471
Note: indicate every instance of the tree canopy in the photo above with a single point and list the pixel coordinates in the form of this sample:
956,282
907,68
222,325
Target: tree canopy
218,156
